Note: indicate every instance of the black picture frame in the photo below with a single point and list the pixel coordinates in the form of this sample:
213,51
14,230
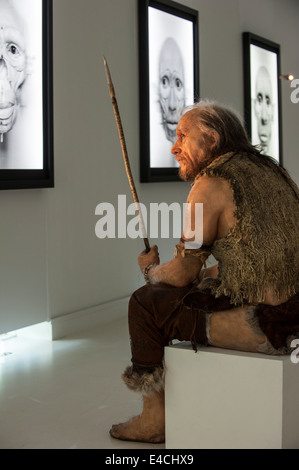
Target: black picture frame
26,135
168,34
262,94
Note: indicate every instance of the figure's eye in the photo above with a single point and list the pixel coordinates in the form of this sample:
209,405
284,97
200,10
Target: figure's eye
268,100
178,84
165,81
259,97
13,49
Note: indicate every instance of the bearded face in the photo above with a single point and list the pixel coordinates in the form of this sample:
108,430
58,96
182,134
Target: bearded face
171,87
12,66
193,147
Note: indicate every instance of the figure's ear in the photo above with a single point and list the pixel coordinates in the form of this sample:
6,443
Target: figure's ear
212,140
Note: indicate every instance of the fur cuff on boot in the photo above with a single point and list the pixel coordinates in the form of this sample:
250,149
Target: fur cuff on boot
146,383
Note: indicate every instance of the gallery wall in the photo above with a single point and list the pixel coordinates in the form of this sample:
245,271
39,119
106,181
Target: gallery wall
52,263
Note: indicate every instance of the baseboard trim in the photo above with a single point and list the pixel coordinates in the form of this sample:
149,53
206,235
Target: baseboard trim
89,318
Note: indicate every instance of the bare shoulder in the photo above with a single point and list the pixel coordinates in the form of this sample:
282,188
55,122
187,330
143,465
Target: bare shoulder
219,207
211,189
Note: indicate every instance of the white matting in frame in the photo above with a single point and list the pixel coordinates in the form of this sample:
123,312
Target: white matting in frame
262,94
264,100
21,85
168,82
176,34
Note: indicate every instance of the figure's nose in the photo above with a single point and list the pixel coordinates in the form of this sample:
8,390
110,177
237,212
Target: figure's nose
3,66
172,99
175,148
3,74
264,114
264,118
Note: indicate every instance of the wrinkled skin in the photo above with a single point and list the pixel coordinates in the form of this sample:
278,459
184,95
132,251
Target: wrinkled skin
171,87
12,65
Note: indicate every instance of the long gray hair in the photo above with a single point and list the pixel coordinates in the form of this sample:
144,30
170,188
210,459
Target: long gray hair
226,124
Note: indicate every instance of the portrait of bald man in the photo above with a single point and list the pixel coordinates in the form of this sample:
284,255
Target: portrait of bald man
171,87
21,85
263,107
13,65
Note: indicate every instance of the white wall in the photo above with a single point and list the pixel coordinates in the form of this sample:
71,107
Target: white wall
52,263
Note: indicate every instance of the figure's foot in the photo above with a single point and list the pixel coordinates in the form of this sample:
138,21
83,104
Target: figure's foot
137,429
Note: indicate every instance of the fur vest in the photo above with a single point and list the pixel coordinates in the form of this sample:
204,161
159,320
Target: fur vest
262,250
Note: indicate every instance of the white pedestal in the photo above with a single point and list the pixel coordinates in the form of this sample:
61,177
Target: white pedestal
224,399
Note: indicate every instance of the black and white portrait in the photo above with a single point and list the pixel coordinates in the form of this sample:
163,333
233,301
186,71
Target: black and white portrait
264,101
171,87
171,80
21,100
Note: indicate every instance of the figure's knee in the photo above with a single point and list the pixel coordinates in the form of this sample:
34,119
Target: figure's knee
137,298
140,294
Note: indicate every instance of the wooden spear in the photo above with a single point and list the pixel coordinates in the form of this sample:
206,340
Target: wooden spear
125,154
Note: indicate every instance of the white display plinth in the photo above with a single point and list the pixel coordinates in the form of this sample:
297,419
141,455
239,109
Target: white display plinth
224,399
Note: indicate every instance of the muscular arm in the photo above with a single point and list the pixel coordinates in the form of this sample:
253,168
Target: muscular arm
182,270
178,272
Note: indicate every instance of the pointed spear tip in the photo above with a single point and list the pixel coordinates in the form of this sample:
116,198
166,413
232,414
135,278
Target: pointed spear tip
107,71
105,64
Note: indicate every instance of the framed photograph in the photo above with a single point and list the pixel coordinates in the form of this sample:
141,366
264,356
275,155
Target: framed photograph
169,81
262,94
26,98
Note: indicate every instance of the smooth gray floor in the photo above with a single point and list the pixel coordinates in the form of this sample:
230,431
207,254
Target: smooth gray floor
66,394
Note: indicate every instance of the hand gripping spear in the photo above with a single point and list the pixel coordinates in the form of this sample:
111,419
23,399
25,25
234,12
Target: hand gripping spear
125,154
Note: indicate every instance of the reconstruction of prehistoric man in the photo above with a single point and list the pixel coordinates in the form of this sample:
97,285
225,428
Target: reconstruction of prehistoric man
171,87
263,106
249,301
12,65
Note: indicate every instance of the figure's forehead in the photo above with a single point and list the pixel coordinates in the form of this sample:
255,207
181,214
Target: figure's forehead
8,16
263,82
263,85
11,29
170,56
172,64
186,122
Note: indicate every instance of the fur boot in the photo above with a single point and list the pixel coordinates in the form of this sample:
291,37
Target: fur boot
149,426
146,383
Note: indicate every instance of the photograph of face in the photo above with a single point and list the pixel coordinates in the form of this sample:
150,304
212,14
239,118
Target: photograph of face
264,106
13,65
21,143
171,87
171,77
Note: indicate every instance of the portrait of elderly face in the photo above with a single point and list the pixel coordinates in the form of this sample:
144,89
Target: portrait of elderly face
171,87
12,65
263,106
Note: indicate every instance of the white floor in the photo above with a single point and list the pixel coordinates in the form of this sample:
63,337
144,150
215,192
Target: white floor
66,394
